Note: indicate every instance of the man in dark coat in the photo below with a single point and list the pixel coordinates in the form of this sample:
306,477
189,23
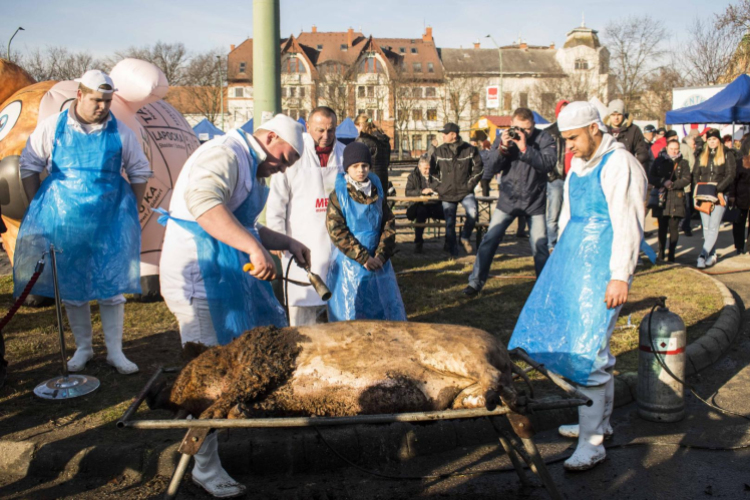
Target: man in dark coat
525,156
457,167
621,127
418,184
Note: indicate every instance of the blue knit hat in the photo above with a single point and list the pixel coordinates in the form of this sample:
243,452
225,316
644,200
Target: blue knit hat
356,152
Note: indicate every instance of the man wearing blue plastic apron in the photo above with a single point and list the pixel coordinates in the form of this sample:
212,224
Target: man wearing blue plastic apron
212,232
88,211
569,317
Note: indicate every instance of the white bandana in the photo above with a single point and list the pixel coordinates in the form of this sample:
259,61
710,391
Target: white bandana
364,187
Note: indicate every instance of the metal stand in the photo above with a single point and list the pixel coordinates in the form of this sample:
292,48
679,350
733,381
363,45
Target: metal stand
68,386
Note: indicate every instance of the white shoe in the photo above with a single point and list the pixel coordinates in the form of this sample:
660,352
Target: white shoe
79,318
711,260
571,431
590,450
210,475
112,324
701,262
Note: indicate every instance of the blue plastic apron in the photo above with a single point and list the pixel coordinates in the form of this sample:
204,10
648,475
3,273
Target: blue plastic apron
88,211
237,301
357,292
565,322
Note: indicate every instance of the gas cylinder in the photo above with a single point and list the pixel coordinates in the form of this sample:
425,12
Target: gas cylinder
661,398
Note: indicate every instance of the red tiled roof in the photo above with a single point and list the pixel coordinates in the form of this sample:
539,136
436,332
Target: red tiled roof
186,100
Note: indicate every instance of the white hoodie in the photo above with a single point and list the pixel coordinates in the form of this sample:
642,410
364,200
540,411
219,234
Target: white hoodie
625,186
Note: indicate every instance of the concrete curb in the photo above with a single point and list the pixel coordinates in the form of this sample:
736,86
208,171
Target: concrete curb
714,343
264,451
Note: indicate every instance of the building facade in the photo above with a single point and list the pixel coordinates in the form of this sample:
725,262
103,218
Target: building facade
409,87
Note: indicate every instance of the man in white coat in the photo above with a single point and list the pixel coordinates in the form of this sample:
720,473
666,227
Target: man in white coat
297,207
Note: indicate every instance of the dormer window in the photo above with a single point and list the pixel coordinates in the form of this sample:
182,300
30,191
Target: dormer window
344,47
242,67
413,50
582,64
402,50
320,46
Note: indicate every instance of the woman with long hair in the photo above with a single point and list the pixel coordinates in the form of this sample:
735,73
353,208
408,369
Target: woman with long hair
715,167
379,144
670,174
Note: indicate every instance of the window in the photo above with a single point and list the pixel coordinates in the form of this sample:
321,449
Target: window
378,115
360,91
291,92
370,65
507,101
523,100
370,91
416,140
432,115
416,92
475,102
430,67
331,92
243,66
548,103
402,50
342,91
293,65
361,112
430,91
416,115
405,143
417,67
413,50
320,46
344,47
582,64
302,113
239,92
301,91
430,138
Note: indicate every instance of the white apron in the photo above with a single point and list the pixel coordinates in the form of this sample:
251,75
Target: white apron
297,207
179,274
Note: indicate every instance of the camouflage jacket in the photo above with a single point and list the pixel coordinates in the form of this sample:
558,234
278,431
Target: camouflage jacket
345,241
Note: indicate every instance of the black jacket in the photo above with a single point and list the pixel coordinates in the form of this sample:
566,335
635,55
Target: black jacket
722,175
523,186
457,168
416,182
663,169
380,149
631,137
741,186
559,171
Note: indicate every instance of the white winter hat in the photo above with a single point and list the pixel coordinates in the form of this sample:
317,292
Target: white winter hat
579,114
288,129
616,106
93,79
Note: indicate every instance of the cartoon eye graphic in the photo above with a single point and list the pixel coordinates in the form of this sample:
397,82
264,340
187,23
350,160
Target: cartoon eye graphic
8,118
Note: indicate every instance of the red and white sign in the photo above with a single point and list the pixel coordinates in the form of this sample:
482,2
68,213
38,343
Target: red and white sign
493,97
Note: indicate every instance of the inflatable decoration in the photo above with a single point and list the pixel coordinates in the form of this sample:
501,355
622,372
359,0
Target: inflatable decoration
165,136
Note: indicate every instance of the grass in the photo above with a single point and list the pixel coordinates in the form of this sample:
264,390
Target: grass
431,292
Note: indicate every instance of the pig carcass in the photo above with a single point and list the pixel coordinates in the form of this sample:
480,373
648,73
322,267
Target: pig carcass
343,369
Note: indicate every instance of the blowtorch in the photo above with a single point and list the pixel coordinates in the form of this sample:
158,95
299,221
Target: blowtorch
315,281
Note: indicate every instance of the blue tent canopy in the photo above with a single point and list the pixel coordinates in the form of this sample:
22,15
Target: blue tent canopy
248,126
346,132
539,119
731,105
205,130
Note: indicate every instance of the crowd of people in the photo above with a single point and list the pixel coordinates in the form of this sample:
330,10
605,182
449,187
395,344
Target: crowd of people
581,185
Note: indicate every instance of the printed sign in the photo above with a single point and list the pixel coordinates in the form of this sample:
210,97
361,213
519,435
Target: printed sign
493,97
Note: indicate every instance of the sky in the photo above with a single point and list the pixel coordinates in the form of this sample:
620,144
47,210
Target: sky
102,28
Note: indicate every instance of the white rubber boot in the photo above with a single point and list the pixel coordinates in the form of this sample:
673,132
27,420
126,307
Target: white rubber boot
79,318
112,324
571,431
590,450
210,475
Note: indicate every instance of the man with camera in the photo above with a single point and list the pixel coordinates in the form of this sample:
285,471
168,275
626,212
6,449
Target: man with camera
524,155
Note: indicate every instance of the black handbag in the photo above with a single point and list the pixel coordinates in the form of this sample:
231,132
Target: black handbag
731,214
657,199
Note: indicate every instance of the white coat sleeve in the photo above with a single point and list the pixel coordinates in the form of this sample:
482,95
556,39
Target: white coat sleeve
134,160
277,207
564,211
624,184
36,155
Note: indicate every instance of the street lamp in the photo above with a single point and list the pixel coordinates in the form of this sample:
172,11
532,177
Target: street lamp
11,39
500,55
221,91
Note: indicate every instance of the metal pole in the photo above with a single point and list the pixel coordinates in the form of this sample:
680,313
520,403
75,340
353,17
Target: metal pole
266,60
11,39
58,310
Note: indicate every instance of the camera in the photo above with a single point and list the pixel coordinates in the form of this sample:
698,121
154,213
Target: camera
515,133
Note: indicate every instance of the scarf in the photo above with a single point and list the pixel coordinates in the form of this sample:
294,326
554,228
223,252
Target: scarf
323,154
363,187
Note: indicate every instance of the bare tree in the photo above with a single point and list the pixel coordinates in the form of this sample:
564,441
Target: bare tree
405,101
710,55
57,63
736,17
171,58
635,44
657,100
461,95
203,76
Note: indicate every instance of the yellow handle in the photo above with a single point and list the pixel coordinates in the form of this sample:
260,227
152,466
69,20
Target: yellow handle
248,267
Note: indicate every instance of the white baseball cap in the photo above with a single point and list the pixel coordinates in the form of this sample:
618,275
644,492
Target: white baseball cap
94,79
579,114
